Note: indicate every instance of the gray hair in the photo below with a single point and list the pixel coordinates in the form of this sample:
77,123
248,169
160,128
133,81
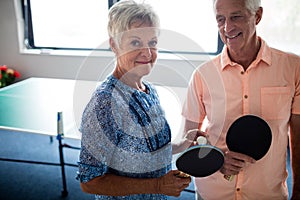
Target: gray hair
251,5
124,13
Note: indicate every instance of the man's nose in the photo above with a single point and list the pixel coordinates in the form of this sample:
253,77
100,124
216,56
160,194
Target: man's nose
228,26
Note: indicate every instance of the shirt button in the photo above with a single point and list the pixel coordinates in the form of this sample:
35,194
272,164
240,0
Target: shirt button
242,72
238,189
246,96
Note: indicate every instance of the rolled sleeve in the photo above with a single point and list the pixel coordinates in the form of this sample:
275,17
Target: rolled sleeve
89,167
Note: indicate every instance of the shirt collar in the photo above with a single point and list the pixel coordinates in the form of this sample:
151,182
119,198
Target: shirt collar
127,89
264,55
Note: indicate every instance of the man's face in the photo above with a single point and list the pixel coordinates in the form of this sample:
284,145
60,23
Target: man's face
237,26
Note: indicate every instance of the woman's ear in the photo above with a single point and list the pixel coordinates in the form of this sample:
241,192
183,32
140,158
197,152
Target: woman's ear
259,14
113,45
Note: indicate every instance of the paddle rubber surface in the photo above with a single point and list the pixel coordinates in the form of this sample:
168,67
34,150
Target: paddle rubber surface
200,161
249,135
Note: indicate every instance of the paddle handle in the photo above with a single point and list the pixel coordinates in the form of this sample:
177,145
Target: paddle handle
229,177
182,175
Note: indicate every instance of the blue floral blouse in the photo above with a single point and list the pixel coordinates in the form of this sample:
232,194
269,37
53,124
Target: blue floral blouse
124,132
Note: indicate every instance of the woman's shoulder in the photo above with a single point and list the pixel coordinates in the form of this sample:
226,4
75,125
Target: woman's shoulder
105,88
150,86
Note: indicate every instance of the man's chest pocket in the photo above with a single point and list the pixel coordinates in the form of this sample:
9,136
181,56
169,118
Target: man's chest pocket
276,102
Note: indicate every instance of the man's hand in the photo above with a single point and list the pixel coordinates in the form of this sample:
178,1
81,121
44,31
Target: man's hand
193,134
235,162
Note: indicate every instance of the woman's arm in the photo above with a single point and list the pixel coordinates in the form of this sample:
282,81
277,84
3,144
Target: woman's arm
113,185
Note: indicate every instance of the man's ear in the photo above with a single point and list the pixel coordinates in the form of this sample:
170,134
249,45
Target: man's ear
113,45
258,15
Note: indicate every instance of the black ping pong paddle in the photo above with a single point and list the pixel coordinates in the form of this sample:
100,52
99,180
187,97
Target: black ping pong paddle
249,135
200,160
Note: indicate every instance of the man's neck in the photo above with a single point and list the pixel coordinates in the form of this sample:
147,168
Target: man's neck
246,56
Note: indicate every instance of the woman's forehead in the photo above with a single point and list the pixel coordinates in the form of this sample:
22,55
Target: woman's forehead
142,31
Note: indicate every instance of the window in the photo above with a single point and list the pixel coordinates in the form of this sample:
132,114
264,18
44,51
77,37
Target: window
280,24
65,24
78,24
188,26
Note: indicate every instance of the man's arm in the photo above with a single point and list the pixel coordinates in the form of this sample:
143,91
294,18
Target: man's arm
295,154
188,140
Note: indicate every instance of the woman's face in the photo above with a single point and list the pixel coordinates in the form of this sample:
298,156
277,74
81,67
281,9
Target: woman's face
137,51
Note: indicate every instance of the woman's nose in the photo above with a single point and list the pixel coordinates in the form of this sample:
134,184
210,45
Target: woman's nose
146,51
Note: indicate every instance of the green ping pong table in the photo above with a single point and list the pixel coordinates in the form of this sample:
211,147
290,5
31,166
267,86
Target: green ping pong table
32,106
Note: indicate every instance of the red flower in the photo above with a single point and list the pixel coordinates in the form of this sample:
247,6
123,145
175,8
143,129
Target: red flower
3,68
17,74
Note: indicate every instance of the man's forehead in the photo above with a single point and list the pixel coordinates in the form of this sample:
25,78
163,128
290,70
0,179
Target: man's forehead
231,6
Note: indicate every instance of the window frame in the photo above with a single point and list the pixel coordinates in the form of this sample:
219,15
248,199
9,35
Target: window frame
30,45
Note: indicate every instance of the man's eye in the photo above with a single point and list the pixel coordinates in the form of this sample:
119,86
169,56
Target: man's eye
235,18
220,20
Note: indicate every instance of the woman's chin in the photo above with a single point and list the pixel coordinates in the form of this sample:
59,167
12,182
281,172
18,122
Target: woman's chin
143,69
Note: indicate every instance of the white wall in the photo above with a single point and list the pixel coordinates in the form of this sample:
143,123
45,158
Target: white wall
167,72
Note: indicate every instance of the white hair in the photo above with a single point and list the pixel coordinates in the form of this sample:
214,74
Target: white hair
125,13
251,5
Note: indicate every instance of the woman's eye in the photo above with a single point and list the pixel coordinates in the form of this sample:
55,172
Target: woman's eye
136,43
152,43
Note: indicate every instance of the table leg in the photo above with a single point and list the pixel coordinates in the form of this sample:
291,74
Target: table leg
64,192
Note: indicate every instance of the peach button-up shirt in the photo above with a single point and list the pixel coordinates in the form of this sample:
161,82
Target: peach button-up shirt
222,91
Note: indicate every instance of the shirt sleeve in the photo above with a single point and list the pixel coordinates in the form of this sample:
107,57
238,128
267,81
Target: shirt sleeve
98,141
193,107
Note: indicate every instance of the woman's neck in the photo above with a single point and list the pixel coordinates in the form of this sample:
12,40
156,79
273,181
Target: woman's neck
130,79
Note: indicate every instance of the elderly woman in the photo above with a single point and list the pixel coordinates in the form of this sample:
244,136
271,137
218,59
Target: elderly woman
126,151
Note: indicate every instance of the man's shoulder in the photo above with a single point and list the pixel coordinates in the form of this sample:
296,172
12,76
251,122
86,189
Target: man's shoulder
212,62
281,53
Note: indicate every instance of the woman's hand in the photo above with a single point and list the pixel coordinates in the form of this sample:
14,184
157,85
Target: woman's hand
172,185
